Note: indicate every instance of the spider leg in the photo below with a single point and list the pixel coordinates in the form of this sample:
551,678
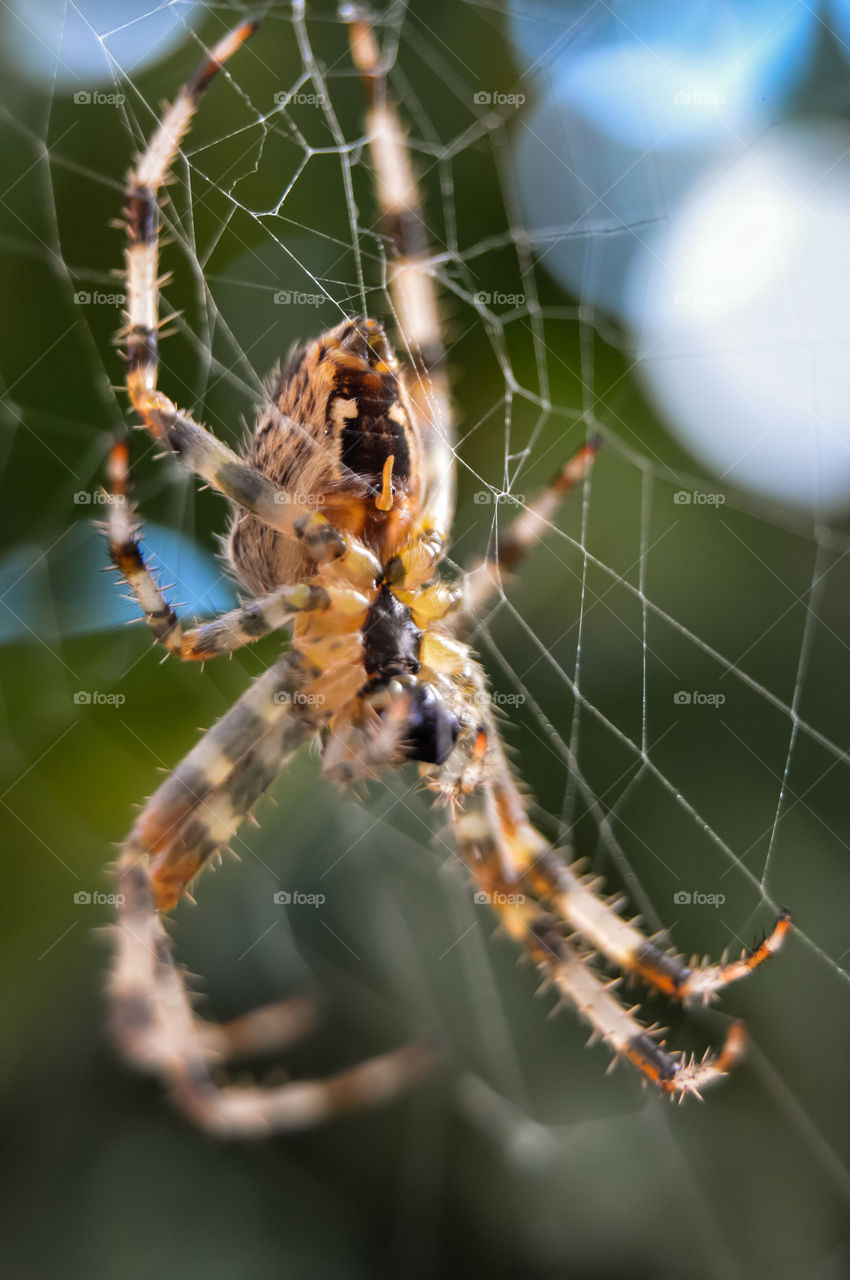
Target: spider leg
496,856
227,473
532,524
541,900
142,224
415,304
229,631
417,312
199,806
576,900
194,813
158,1031
197,448
265,1030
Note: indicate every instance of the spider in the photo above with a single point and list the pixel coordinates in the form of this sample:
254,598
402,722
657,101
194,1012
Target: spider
376,670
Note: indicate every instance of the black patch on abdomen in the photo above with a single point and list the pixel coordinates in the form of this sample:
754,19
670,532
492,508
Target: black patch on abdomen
367,441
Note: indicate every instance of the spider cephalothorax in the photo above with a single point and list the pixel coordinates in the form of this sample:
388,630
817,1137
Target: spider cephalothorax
342,506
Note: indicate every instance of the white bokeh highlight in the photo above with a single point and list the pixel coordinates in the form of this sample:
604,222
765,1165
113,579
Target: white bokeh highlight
743,307
88,44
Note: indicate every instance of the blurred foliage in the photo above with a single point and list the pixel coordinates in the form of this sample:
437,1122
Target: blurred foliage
520,1157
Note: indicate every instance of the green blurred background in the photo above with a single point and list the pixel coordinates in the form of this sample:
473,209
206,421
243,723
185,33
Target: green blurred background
520,1157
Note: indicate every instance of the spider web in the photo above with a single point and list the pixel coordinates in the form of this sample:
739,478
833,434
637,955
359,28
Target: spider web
709,811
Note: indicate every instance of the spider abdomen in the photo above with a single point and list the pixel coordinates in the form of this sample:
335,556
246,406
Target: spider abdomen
337,432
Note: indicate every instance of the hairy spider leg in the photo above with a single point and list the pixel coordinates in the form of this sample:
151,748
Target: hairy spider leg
195,813
414,299
197,448
229,631
561,917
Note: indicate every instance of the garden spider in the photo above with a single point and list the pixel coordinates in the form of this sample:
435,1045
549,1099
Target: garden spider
375,670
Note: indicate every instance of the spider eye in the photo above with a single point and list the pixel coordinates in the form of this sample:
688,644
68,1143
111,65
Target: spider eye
432,729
